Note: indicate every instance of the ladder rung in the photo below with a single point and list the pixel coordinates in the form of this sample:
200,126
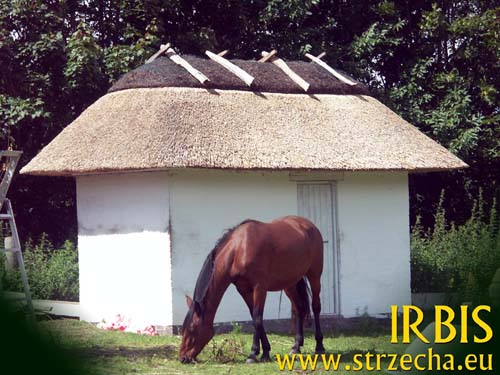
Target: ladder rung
8,214
11,250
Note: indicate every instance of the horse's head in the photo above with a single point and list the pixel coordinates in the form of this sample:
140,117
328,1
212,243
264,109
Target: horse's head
195,332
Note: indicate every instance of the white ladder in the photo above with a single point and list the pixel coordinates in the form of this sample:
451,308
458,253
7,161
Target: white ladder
11,158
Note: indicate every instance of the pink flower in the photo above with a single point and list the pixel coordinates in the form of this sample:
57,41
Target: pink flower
121,323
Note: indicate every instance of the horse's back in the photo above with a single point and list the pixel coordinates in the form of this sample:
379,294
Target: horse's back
309,232
282,251
299,222
289,231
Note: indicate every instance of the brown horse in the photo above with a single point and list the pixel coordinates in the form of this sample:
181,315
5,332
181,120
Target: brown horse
258,257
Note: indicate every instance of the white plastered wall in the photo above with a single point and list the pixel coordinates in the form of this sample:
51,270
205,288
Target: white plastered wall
374,242
124,247
127,267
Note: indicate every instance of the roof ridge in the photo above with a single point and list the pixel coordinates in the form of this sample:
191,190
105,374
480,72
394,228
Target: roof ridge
162,72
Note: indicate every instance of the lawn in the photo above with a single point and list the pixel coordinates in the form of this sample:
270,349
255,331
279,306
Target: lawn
106,352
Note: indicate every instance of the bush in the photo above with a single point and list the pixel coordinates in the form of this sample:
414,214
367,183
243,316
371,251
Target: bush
52,273
450,258
229,349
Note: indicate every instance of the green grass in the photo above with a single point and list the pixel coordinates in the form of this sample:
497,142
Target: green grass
106,352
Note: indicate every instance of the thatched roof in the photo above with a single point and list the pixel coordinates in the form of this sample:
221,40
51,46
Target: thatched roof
162,72
172,127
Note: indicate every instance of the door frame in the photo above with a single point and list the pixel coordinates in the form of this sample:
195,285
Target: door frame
337,308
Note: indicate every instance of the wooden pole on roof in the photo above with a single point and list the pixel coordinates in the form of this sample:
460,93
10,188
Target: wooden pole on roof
268,56
286,69
161,51
328,68
236,70
172,55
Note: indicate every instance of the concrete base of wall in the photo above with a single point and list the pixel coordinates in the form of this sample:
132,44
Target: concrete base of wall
330,325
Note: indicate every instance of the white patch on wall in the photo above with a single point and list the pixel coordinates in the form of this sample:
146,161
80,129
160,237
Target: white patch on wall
124,247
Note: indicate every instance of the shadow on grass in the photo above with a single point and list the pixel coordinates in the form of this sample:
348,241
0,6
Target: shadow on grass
162,352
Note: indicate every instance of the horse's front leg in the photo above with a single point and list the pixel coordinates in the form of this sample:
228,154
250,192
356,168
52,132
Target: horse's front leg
247,295
259,300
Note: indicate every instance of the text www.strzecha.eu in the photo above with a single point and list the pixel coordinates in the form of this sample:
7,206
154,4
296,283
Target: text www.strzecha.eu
382,361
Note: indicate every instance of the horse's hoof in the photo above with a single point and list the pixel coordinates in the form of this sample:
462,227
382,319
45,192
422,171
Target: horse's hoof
265,358
295,351
251,359
320,351
186,360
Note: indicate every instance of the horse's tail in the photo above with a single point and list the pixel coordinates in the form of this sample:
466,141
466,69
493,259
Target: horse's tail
304,292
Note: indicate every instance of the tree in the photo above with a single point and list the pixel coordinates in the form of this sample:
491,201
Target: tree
436,64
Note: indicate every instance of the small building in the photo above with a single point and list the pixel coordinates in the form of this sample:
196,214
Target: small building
164,164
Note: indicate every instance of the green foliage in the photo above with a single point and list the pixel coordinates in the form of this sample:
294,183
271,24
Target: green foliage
52,273
229,349
367,325
15,111
434,82
84,70
237,328
436,64
451,258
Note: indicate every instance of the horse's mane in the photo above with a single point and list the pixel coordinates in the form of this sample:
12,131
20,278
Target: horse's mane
206,273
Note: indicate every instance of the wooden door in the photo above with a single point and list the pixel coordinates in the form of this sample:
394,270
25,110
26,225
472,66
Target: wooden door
316,202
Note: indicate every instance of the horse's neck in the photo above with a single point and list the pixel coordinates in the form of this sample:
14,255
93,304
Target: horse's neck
215,292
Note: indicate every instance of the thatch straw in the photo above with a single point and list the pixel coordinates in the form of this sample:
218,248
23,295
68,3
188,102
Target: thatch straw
161,128
268,78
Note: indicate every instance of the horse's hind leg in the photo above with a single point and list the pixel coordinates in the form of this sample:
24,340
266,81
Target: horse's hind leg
315,283
266,346
299,309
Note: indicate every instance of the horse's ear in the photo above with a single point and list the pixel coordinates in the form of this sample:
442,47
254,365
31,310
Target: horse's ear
189,301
